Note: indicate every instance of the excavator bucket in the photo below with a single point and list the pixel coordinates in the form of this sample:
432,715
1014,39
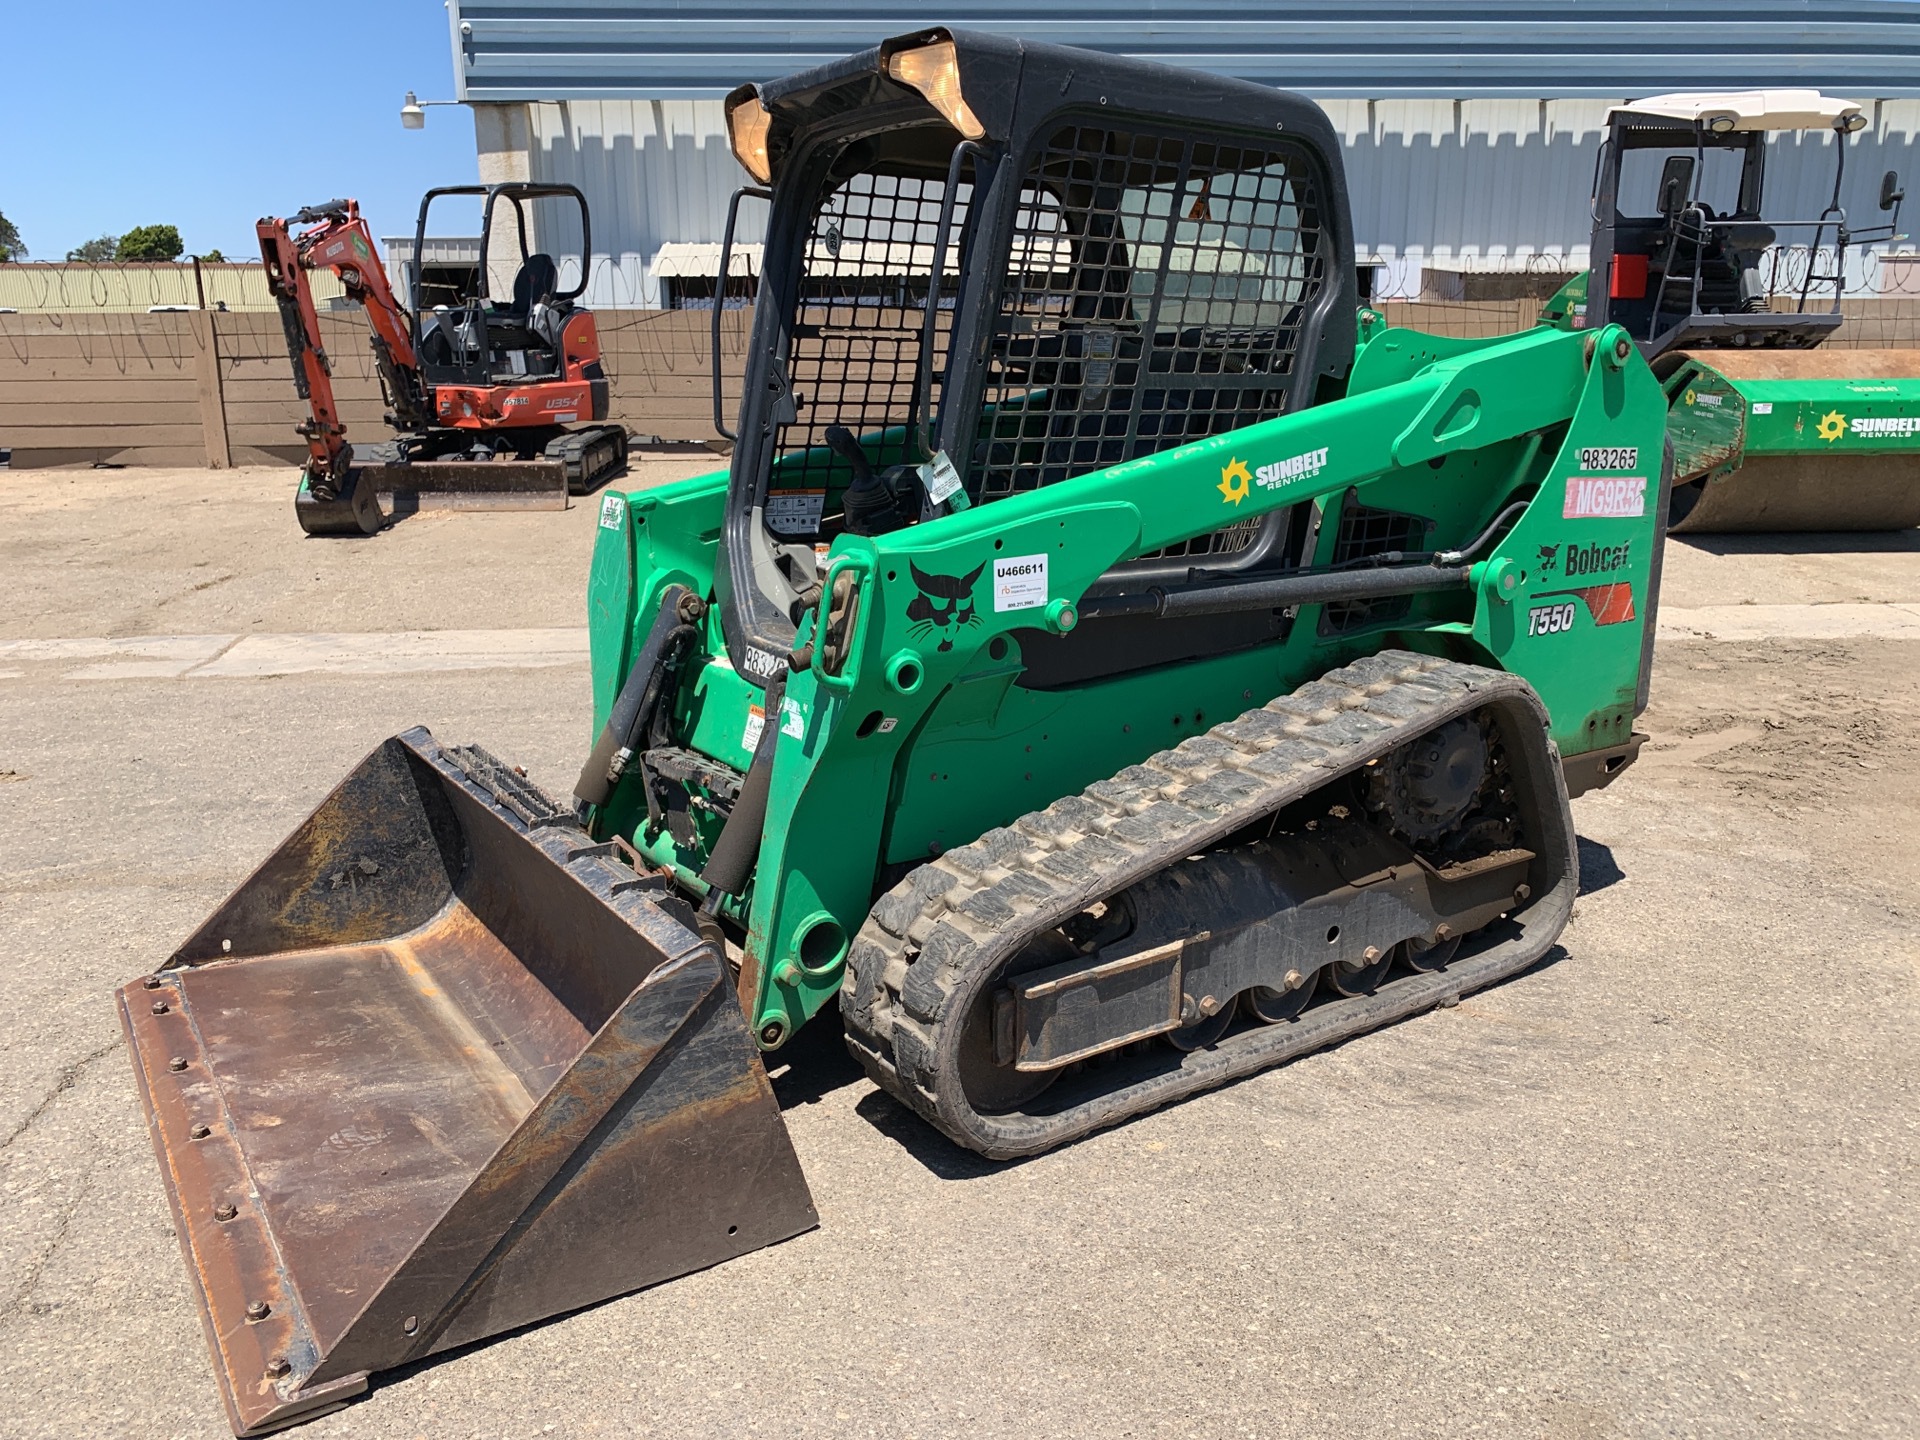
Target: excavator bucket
1791,440
443,1067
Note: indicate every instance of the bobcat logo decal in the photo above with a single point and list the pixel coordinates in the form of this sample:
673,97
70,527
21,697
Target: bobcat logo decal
945,603
1548,555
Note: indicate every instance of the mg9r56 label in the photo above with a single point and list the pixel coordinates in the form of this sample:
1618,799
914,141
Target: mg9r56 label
1605,497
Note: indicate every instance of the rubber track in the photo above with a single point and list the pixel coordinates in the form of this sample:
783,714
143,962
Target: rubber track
570,452
939,936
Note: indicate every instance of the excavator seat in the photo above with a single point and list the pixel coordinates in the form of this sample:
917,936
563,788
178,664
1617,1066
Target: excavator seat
526,322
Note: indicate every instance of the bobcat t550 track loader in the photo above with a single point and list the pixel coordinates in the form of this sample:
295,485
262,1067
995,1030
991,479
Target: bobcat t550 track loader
1103,672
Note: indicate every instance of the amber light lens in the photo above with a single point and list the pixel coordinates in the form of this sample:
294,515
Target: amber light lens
747,125
934,70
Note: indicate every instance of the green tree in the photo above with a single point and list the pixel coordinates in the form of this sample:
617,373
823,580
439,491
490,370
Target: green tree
212,257
150,242
12,247
96,251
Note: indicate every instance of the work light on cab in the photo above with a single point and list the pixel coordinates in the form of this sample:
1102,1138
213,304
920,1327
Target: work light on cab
747,125
934,70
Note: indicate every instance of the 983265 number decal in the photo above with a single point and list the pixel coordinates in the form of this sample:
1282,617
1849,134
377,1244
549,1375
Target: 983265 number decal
1550,619
1610,457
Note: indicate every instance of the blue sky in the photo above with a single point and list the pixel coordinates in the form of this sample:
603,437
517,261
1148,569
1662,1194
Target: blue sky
208,116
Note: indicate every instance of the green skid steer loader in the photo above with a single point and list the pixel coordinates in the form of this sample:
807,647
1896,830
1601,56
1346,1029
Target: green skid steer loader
1769,432
1106,668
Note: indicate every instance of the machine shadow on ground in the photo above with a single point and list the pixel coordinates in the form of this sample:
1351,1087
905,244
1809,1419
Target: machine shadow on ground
814,1063
1834,542
1597,867
946,1160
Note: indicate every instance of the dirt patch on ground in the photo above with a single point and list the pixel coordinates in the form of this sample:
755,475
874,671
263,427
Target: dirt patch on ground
1825,734
183,552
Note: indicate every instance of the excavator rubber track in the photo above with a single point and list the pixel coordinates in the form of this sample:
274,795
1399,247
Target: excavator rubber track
383,485
946,932
589,456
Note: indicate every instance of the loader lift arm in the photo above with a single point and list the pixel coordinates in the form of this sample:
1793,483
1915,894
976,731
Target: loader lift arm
339,239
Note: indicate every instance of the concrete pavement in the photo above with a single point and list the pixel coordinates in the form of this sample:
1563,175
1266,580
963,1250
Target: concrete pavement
1662,1185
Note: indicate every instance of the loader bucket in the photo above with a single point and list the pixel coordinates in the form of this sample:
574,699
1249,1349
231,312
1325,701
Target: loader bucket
1820,439
440,1068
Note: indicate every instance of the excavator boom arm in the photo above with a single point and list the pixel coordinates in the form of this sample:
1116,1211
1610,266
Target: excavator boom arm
338,238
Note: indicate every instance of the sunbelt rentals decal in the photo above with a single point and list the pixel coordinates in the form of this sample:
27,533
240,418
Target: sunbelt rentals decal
1833,425
1236,478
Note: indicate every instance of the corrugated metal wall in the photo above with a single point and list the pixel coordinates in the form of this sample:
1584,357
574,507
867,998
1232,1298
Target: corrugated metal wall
599,49
1432,181
1470,129
654,171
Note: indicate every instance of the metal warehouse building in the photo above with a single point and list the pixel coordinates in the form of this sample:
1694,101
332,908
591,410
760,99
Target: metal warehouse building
1470,129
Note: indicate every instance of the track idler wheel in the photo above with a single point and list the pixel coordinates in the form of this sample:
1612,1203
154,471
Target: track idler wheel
1435,956
1205,1028
1273,1006
1363,977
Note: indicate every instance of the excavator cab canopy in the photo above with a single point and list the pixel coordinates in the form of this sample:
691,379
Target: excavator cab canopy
503,325
1687,252
992,266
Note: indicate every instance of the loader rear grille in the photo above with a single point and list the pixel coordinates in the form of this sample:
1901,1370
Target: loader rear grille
1365,532
1155,293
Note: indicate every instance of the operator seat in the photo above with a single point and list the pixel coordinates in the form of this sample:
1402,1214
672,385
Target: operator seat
1747,243
531,320
1696,244
539,277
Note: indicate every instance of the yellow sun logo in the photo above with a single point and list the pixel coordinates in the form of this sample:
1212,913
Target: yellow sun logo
1234,481
1832,426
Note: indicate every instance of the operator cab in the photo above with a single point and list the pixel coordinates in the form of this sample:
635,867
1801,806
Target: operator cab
1684,247
993,266
471,338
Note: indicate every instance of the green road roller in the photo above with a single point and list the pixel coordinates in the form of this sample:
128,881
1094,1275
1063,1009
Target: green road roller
1737,304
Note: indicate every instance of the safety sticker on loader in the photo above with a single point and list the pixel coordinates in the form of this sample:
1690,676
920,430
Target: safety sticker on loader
795,512
1019,582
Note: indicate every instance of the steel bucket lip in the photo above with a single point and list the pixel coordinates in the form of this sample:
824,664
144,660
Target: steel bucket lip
274,1369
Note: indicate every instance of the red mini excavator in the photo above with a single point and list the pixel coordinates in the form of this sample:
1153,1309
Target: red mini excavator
466,380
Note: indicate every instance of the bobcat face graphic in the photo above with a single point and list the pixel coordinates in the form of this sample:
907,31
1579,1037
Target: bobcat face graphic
944,604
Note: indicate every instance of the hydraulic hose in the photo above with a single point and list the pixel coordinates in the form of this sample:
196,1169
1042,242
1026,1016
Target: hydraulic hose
738,847
1275,594
598,775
